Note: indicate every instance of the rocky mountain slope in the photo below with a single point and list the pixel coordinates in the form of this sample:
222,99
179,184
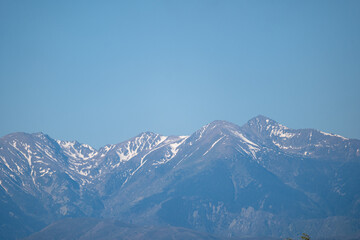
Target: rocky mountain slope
260,179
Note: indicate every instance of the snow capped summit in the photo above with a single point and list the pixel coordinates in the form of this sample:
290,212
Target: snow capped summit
221,125
134,146
214,128
262,120
75,150
262,125
303,142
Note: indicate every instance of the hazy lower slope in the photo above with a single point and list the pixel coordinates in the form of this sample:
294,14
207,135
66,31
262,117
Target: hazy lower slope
93,229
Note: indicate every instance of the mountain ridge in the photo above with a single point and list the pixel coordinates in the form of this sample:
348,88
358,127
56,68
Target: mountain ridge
224,179
259,118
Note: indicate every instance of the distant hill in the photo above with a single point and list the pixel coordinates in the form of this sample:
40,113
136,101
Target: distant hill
259,179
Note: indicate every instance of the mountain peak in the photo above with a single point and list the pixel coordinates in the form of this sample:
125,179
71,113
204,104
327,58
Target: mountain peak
262,123
147,135
219,126
215,128
262,120
221,123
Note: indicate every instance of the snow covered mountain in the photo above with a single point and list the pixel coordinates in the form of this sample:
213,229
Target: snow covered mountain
260,179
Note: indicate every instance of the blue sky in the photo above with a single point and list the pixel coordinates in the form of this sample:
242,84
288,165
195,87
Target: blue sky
104,71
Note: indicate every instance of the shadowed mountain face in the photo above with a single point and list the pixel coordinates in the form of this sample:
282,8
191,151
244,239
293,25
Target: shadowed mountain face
261,179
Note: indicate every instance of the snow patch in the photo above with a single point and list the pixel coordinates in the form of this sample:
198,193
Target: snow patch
252,147
44,172
77,153
141,164
174,149
27,157
232,224
280,132
213,145
244,138
201,131
1,184
6,164
285,147
141,143
333,135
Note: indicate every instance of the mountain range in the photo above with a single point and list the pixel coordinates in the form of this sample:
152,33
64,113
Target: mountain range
261,179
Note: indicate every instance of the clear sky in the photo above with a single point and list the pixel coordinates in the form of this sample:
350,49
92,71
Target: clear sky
103,71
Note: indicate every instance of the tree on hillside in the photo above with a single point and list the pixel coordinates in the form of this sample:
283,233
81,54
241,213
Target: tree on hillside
304,236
